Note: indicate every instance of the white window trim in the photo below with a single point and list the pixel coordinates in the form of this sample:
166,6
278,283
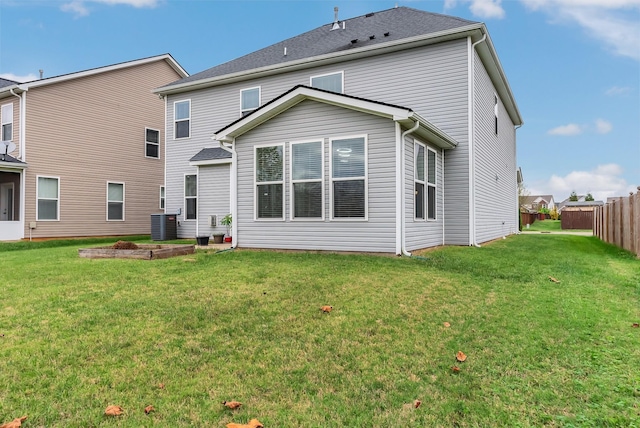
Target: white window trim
255,182
2,124
423,182
175,120
428,184
123,200
184,196
248,110
366,178
149,142
38,198
341,73
314,180
163,197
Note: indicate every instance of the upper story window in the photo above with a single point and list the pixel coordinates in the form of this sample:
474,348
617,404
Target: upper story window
191,196
495,113
333,82
7,122
152,143
249,100
306,180
182,119
349,178
115,201
269,182
48,205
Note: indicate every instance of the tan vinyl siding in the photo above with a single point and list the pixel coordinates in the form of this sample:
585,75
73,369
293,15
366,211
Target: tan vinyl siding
89,131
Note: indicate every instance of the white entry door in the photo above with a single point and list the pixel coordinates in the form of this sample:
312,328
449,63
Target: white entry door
6,201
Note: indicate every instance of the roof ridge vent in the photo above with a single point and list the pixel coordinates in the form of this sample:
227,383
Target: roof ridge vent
336,23
369,15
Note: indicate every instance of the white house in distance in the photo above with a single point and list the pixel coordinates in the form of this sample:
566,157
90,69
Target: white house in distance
387,132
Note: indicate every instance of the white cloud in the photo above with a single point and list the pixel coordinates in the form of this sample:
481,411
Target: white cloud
603,126
617,90
20,79
608,21
602,182
566,130
482,8
79,7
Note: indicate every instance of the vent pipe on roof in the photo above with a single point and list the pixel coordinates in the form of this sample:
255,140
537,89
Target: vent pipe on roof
336,24
41,73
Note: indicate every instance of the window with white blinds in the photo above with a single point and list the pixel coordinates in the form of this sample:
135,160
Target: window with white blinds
349,178
306,180
269,177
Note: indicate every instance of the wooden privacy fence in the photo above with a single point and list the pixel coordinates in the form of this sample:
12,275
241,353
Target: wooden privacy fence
618,222
578,218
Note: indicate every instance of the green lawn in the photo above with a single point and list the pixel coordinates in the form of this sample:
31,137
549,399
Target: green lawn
544,226
81,334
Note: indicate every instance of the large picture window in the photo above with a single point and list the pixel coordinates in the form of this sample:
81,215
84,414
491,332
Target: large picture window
269,178
191,197
329,82
6,120
306,180
182,119
48,207
115,201
349,178
249,100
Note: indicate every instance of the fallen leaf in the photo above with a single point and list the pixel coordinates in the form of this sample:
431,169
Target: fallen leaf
161,385
326,309
253,423
635,324
552,279
16,423
113,411
149,409
446,324
232,404
455,369
460,356
417,403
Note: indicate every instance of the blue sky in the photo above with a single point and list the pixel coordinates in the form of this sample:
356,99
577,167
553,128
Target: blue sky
573,65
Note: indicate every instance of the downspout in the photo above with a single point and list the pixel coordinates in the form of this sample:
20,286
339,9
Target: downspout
472,164
443,182
402,192
233,187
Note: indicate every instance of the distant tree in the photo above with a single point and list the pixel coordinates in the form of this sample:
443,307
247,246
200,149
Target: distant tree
589,197
523,193
573,197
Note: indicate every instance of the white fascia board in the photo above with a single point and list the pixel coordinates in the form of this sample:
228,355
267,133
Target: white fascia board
304,93
430,132
51,80
12,166
210,162
330,58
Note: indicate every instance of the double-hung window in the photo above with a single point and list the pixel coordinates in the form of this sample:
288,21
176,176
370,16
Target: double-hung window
162,197
152,143
306,180
424,179
115,201
191,197
269,184
249,100
431,184
349,178
182,119
48,206
495,113
7,122
333,82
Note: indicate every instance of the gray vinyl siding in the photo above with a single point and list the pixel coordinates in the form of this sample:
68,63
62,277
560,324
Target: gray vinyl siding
421,233
495,163
213,197
312,120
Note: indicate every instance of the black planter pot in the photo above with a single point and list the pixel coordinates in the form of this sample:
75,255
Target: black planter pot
202,240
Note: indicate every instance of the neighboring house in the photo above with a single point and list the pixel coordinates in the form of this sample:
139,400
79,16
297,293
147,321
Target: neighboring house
387,132
85,153
561,205
537,202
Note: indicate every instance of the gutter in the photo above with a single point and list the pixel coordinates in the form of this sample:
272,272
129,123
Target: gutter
401,185
472,164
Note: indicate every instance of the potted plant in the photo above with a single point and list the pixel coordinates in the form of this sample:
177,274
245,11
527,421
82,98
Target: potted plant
227,221
218,238
202,240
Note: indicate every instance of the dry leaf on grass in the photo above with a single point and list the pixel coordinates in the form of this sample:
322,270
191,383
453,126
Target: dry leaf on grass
326,309
446,324
161,385
417,403
149,409
635,324
460,356
113,411
16,423
253,423
552,279
232,404
455,369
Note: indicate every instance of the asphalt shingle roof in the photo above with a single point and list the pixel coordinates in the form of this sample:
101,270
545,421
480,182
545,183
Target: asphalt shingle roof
6,82
366,30
211,153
